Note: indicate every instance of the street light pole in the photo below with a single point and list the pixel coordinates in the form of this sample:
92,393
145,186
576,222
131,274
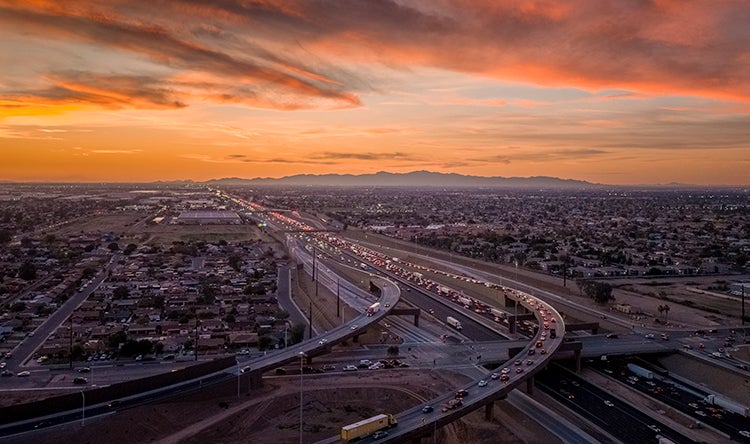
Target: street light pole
238,376
301,359
83,408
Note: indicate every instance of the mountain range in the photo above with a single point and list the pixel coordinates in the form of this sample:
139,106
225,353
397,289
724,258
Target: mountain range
412,179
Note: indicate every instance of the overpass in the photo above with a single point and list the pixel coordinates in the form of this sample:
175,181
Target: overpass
414,424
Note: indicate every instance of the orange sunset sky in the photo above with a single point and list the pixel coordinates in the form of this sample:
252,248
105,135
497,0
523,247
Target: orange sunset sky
618,91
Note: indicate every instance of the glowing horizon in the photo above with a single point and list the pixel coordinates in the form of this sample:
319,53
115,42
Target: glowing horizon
613,92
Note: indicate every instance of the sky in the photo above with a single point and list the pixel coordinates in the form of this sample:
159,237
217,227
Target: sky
608,91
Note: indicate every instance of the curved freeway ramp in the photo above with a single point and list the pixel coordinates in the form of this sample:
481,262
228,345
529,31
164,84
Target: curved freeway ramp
413,423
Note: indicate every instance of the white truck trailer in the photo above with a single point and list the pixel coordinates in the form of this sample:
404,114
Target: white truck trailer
453,322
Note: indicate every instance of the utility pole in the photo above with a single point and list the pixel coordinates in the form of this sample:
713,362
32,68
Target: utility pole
196,334
309,321
743,303
313,266
338,298
70,346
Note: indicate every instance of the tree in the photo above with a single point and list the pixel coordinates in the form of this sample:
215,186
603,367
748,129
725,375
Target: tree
5,237
121,292
129,249
235,262
113,246
115,339
27,271
264,342
297,333
600,292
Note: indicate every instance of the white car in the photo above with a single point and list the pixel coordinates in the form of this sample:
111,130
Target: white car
23,373
350,368
609,403
322,341
482,383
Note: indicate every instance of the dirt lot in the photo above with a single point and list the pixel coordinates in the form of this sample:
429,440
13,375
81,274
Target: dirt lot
271,414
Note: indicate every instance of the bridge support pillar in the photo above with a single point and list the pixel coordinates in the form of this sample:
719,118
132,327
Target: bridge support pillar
509,302
488,409
416,319
512,324
577,356
355,339
530,386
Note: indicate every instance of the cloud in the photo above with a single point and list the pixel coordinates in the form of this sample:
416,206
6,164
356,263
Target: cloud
362,156
664,47
287,85
116,151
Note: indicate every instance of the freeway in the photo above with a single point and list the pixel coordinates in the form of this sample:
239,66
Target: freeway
627,423
414,422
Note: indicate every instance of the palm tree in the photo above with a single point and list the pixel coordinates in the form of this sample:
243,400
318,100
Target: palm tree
666,311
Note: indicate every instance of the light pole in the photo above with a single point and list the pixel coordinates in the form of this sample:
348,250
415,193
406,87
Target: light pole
238,376
301,360
83,408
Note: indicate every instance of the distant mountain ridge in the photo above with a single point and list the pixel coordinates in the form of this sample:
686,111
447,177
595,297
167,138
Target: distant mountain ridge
412,179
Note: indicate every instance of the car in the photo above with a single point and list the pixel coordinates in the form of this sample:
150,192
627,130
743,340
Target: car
494,375
609,403
387,305
529,362
84,370
432,311
80,380
518,362
543,351
2,365
505,370
322,341
504,378
353,327
538,344
531,351
6,373
654,428
612,336
745,433
461,394
23,374
693,405
519,370
427,409
482,383
700,413
280,371
379,434
350,368
649,336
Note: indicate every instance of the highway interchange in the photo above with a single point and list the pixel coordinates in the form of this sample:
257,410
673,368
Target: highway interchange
480,331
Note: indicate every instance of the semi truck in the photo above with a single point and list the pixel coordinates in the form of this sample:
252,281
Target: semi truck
463,300
368,426
372,309
727,404
640,371
453,322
